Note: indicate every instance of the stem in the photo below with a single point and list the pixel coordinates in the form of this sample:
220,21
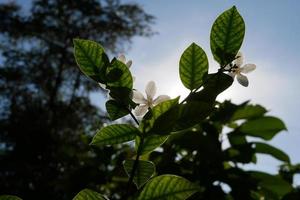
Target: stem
133,117
135,166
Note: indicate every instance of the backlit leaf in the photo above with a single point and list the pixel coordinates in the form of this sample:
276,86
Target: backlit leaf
88,194
144,171
193,66
91,59
227,36
115,134
168,187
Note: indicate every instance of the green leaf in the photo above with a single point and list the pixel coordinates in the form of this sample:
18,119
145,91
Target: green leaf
162,118
227,36
91,59
273,184
249,112
150,143
87,194
115,134
168,187
214,84
270,150
144,171
9,197
264,127
193,66
115,110
122,75
191,113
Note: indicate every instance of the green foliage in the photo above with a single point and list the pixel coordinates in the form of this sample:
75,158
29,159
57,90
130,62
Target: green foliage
87,194
193,66
122,81
168,187
91,59
249,112
264,127
272,186
115,134
115,109
9,197
161,118
227,36
268,149
144,171
150,143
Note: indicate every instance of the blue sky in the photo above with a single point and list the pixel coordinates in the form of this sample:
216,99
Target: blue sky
271,42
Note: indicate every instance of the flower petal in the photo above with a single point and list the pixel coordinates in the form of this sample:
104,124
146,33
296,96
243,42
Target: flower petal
232,74
243,80
122,58
129,63
248,68
239,59
160,99
140,110
150,90
138,97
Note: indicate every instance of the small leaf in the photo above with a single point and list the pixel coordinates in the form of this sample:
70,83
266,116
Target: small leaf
125,78
193,66
9,197
115,110
249,112
115,134
168,187
227,36
144,171
273,184
87,194
162,117
91,59
150,143
265,127
270,150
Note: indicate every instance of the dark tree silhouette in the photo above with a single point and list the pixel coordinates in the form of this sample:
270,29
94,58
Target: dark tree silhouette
46,117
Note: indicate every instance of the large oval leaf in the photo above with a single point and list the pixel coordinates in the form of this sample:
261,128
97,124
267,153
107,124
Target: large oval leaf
91,59
9,197
168,187
115,134
144,171
270,150
87,194
193,65
150,143
264,127
227,36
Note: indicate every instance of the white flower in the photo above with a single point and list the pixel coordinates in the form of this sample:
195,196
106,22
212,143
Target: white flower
149,101
122,58
238,71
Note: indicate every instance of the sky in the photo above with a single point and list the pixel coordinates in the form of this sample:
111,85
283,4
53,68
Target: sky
271,42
